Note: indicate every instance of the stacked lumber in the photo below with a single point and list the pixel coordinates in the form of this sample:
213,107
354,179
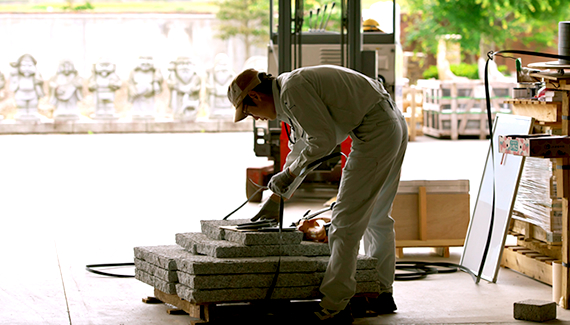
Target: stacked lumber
221,265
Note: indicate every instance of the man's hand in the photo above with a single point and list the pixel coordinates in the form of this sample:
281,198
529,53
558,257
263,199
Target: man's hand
279,183
269,210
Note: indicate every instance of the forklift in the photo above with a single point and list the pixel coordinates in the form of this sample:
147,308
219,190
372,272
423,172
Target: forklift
372,53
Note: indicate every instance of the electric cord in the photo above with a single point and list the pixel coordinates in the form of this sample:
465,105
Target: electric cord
91,268
420,270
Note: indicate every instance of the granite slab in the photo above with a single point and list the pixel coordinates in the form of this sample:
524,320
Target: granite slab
198,243
262,280
207,265
158,272
252,294
164,286
162,256
213,230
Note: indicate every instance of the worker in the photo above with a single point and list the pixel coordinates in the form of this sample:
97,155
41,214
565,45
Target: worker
371,25
323,106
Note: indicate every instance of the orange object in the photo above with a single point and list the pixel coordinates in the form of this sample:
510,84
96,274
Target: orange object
314,229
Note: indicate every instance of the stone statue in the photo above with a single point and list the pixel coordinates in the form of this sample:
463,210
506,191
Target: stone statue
220,78
185,85
103,84
65,90
2,83
2,80
27,85
145,82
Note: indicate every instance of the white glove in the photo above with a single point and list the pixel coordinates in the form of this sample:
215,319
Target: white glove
269,210
280,182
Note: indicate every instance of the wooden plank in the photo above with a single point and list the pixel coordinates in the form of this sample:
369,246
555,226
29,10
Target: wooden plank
152,300
193,310
531,232
565,291
528,266
422,213
430,243
554,251
545,112
454,133
412,123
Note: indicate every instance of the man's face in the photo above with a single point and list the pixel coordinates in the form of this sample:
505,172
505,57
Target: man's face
27,67
265,109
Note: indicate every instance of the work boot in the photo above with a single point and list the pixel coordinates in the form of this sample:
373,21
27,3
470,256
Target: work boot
383,304
332,317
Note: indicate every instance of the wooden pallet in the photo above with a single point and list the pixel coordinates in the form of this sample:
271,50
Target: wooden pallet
531,232
264,311
528,262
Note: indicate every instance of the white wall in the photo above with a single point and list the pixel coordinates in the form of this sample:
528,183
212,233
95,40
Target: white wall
84,38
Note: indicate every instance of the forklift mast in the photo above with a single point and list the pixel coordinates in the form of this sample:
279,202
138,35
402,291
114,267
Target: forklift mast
371,53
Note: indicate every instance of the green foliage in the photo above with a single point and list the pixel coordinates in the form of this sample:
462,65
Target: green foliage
496,20
248,19
312,5
431,72
504,70
470,71
86,6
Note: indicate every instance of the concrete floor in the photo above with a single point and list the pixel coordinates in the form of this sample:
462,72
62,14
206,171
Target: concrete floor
71,200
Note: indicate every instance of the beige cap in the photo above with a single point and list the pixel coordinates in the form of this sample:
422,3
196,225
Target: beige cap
238,89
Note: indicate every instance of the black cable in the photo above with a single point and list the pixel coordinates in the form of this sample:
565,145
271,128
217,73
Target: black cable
420,270
277,269
90,267
492,221
260,188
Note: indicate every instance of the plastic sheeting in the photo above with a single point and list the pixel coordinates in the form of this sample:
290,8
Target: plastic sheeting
536,200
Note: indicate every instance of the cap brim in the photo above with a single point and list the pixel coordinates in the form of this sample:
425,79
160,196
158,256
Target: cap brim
240,115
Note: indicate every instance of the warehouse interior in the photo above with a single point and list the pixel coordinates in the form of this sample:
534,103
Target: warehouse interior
150,208
73,217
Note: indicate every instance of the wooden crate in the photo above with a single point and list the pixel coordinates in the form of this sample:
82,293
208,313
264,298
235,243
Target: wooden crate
458,108
431,213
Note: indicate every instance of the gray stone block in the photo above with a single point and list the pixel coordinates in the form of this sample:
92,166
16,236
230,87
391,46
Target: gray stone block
250,238
164,286
234,281
262,280
158,272
252,294
207,265
535,310
211,228
244,294
163,256
199,243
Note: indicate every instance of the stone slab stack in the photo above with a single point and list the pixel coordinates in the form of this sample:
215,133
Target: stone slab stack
221,264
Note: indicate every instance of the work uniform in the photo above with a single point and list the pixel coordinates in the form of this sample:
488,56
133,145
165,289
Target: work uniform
324,105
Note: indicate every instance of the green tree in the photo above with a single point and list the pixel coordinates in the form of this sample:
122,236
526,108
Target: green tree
485,23
246,19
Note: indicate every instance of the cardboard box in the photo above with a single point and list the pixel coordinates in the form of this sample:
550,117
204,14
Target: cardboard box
535,145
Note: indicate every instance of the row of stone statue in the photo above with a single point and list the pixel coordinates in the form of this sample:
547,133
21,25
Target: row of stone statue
144,84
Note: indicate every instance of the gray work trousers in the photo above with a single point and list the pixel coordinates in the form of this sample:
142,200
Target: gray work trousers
367,190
